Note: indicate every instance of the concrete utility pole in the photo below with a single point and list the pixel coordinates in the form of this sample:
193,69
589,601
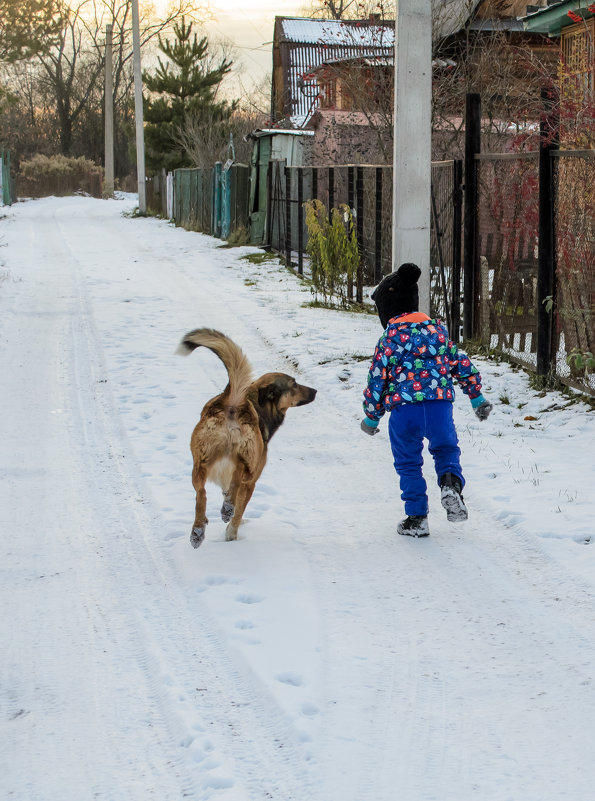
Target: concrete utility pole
138,111
108,181
412,155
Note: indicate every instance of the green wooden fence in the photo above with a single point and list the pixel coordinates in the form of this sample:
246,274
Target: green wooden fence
213,201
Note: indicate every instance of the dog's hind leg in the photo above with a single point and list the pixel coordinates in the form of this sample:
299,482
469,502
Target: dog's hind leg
199,477
243,495
230,494
227,507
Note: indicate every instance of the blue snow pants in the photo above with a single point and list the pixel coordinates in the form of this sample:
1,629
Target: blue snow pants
408,425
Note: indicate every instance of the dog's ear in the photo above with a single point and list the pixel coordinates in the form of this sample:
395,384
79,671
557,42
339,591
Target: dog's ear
269,394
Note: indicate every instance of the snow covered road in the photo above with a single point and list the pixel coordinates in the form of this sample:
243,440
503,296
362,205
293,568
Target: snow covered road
320,657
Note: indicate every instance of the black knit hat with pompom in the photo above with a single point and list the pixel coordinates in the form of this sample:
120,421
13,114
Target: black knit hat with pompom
397,293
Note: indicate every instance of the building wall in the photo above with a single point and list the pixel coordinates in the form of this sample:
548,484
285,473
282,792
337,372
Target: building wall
344,137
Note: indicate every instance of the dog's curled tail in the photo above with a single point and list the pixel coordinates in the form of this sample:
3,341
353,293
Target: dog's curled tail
237,365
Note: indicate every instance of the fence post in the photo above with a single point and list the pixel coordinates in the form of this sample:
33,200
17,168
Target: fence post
331,190
351,204
378,228
457,220
359,192
216,219
471,249
314,183
287,215
270,206
300,219
546,257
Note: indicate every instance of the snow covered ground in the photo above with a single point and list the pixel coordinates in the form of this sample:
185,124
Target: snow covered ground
321,657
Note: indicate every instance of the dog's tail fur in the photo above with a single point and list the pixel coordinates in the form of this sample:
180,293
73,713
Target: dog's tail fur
237,365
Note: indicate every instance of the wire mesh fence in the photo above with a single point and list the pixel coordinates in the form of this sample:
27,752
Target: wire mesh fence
368,191
508,296
509,247
508,218
574,307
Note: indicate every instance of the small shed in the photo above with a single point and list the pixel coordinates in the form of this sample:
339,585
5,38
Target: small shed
271,144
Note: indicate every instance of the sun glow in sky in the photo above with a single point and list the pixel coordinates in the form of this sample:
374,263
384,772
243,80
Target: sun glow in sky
248,24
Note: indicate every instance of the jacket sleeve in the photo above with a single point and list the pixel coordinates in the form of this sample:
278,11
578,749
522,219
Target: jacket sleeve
464,371
377,381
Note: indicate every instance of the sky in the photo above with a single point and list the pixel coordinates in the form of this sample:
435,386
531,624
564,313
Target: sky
250,27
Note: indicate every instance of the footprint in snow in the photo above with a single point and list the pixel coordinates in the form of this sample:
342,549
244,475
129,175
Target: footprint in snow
256,510
219,783
249,598
243,624
215,581
265,489
292,679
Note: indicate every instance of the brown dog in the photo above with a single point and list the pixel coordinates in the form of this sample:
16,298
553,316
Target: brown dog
229,443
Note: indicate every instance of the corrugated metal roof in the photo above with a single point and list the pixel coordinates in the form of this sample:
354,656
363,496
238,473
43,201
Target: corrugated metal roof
305,44
336,32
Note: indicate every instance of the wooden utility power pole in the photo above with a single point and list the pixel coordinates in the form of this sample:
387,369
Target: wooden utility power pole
108,181
412,155
138,111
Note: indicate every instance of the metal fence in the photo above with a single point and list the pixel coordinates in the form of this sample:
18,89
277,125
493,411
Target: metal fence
510,306
507,244
213,201
6,189
367,191
574,297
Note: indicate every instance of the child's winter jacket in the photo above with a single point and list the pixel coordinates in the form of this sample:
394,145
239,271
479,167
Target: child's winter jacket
415,361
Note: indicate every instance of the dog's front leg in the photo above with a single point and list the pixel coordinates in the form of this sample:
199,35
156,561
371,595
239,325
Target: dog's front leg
244,493
199,478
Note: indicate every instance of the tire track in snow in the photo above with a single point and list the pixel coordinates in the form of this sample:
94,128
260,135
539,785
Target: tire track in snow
274,769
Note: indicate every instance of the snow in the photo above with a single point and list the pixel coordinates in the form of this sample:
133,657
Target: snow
320,656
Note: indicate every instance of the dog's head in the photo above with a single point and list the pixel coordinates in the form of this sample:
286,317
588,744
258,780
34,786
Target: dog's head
272,395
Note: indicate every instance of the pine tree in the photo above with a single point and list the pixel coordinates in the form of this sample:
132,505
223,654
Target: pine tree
28,27
181,88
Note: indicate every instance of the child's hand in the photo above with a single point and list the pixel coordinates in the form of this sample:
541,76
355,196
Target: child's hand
481,407
369,426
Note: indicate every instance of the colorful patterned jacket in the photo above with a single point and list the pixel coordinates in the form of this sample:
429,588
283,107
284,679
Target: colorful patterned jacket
415,361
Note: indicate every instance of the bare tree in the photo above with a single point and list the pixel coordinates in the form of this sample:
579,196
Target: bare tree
349,9
466,59
61,88
507,74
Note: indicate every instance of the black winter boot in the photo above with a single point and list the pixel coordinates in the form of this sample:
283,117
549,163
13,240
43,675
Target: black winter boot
451,498
414,526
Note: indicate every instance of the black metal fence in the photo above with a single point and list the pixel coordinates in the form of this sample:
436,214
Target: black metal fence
529,268
526,231
507,242
368,191
535,297
574,287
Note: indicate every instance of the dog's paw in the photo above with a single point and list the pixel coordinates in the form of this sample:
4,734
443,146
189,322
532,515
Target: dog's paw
231,532
227,511
197,536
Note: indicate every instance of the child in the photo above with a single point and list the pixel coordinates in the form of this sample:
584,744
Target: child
411,377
